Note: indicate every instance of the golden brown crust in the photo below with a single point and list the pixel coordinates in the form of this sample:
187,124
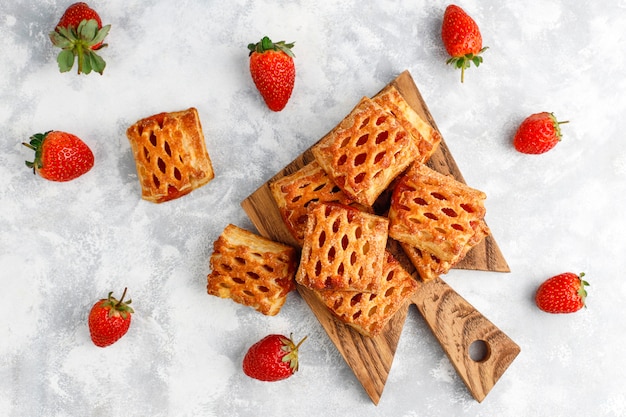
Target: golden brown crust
434,212
293,194
428,266
251,270
170,155
343,249
365,152
368,313
426,138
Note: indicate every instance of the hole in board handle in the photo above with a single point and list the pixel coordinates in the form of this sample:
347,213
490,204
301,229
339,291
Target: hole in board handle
479,351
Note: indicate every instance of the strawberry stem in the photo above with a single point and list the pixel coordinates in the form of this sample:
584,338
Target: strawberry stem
300,342
81,57
121,298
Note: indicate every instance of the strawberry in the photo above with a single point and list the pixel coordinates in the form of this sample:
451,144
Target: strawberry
59,156
273,71
538,133
563,293
272,358
79,34
109,320
461,38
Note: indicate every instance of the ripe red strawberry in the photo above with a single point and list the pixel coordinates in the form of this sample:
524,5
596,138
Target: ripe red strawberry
563,293
538,133
109,320
461,38
79,34
59,156
272,358
273,71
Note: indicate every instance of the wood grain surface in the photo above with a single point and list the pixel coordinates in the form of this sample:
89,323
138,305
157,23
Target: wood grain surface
457,325
454,322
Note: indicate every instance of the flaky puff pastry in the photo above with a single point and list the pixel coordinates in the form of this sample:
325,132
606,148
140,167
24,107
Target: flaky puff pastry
294,192
368,313
427,139
365,152
343,249
434,212
429,267
170,154
252,270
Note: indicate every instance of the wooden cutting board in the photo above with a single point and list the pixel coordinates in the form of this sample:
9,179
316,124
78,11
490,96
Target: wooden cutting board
455,323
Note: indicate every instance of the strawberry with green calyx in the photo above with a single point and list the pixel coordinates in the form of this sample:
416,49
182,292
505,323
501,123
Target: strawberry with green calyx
79,34
59,156
273,71
462,39
273,358
563,293
109,320
538,133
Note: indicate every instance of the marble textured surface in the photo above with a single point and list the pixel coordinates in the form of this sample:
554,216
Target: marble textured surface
64,245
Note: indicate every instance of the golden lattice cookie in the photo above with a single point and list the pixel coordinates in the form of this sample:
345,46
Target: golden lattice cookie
365,152
434,212
170,155
368,313
343,249
251,270
426,138
293,194
428,266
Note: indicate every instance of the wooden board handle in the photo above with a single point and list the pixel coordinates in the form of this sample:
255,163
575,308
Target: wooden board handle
457,325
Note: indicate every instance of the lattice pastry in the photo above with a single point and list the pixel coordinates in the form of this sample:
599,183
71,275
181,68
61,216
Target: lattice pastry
170,155
434,212
343,249
293,194
251,270
365,152
426,138
368,313
428,266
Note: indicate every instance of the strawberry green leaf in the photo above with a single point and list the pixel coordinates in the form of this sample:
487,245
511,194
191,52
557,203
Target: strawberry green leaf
87,30
85,62
96,63
67,33
266,44
65,59
101,34
60,40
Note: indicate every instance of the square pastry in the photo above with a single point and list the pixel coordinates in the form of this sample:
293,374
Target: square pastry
343,249
365,152
252,270
293,193
170,154
368,313
428,266
426,138
434,212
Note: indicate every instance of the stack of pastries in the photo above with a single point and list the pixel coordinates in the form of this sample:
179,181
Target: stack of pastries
381,147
